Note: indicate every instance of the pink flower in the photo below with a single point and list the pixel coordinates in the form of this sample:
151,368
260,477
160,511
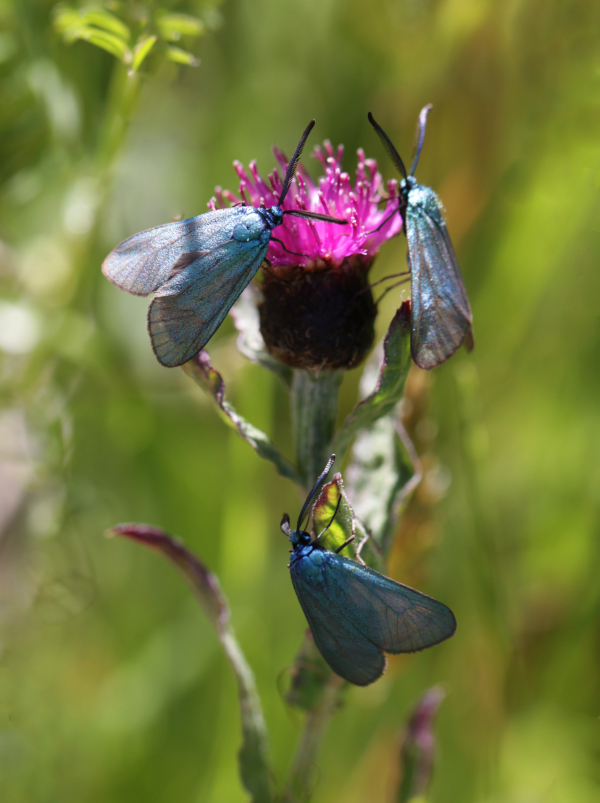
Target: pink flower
322,244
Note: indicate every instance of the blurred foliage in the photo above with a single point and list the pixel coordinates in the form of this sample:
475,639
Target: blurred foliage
112,685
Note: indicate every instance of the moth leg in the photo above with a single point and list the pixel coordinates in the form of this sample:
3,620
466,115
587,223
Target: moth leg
385,278
293,253
346,542
383,222
273,275
391,287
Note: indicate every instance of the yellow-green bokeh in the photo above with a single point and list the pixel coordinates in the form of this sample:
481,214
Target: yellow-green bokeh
112,685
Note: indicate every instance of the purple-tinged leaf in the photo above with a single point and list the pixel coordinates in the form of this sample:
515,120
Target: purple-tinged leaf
253,755
418,748
202,371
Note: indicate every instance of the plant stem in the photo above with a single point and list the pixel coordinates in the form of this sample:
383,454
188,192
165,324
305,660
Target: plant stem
299,787
123,93
314,409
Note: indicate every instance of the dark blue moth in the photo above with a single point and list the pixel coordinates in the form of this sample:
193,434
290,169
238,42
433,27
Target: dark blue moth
354,613
441,317
198,268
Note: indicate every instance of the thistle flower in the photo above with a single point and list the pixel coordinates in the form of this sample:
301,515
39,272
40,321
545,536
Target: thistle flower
318,311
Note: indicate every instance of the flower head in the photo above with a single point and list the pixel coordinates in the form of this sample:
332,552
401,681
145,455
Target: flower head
318,242
317,310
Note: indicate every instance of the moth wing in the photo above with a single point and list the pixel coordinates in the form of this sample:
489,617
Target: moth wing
189,308
440,312
394,617
142,263
348,652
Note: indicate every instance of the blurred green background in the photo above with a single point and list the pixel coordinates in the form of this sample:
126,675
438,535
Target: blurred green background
112,684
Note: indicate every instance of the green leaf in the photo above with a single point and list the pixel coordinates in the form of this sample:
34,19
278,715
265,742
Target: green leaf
389,385
113,44
180,56
250,342
201,370
141,50
253,755
173,26
106,41
106,21
383,472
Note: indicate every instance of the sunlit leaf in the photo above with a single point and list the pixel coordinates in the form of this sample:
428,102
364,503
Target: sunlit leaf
173,26
180,56
332,512
113,44
141,50
106,21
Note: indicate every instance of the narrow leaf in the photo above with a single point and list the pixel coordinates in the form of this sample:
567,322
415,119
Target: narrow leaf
113,44
174,26
201,370
141,50
106,41
250,342
390,382
180,56
253,754
106,21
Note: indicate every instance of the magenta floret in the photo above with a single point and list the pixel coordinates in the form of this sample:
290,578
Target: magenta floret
333,195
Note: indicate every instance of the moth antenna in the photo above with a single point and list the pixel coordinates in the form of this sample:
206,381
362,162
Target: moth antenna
314,490
314,216
420,136
294,162
285,525
387,144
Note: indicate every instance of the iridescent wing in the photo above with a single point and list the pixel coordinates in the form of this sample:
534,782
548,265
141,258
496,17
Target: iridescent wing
358,614
350,655
189,308
142,263
441,317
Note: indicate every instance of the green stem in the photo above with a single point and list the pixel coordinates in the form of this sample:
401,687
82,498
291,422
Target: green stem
300,784
123,93
314,409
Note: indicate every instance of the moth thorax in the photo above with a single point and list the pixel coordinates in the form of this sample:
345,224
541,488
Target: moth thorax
319,317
